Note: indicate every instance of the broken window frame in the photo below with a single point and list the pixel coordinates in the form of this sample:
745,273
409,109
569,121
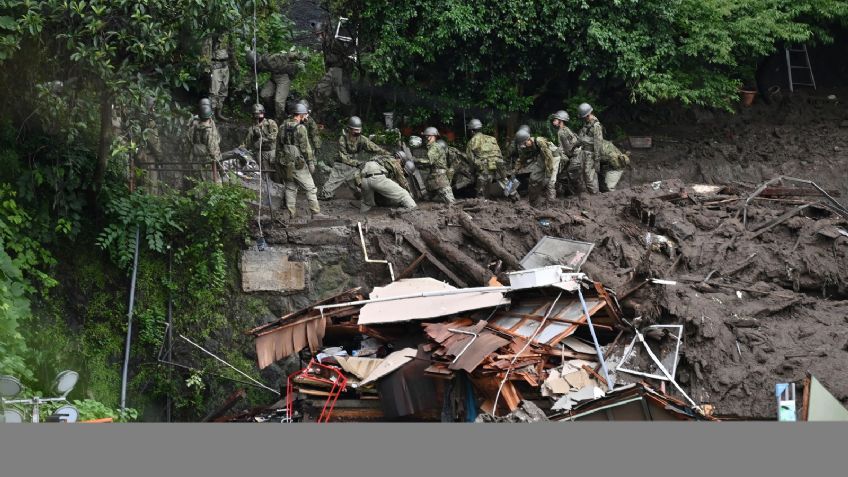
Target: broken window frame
631,347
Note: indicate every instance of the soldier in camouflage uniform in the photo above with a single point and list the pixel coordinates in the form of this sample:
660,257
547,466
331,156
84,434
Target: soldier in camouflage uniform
205,143
540,156
511,149
591,137
351,144
296,162
218,52
484,152
613,162
283,67
262,136
383,175
338,66
312,128
570,169
438,184
150,152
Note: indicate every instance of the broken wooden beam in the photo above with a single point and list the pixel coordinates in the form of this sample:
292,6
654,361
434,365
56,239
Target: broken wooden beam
436,263
412,266
229,403
487,241
455,256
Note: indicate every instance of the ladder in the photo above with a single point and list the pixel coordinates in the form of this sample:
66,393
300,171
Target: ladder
804,65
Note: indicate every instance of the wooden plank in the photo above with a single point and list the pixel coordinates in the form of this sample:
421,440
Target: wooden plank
438,264
412,266
229,403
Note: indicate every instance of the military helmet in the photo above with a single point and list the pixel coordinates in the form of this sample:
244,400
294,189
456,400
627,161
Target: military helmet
205,111
521,136
205,101
258,108
415,141
430,131
298,108
305,103
354,123
475,124
524,127
584,110
400,155
561,115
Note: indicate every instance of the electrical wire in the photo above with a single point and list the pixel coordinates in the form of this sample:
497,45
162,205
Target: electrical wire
261,139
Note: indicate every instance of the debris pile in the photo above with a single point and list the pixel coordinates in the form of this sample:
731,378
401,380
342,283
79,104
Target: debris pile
684,301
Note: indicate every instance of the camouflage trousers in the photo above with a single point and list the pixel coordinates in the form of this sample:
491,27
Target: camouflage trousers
301,179
341,174
582,173
538,182
443,194
385,187
333,83
550,187
219,85
278,88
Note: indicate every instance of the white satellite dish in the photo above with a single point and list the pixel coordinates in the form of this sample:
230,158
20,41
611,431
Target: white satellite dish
65,382
13,416
9,387
67,413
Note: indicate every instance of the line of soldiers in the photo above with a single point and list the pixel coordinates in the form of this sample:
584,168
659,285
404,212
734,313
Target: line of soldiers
576,163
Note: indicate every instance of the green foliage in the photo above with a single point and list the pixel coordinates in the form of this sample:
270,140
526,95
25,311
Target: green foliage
29,256
91,409
14,307
503,54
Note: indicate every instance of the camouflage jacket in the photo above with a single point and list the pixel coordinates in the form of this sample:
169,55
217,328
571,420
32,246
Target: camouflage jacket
204,140
542,151
294,139
567,141
279,63
152,145
314,133
389,166
264,133
349,148
590,134
484,152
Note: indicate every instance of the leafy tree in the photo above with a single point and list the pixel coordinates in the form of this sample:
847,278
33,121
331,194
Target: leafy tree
503,54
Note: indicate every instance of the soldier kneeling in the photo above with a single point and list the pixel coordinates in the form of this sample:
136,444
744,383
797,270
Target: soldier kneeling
384,175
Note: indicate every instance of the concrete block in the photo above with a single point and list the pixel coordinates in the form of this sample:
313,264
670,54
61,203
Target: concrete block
271,270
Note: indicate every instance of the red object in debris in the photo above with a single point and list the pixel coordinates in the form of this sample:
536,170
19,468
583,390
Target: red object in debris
449,135
313,369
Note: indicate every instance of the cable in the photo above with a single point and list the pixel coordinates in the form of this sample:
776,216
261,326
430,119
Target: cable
514,359
201,348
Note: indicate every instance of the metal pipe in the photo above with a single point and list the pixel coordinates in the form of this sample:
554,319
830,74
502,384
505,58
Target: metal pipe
129,321
170,335
417,295
365,252
595,340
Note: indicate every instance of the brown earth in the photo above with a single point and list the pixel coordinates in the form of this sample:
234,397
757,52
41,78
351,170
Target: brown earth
757,310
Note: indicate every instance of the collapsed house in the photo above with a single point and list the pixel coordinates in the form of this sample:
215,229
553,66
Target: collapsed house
706,295
420,349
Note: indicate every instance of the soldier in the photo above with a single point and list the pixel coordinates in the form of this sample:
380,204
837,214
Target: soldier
540,157
385,176
484,152
338,65
570,169
511,151
150,152
351,144
296,163
217,50
262,136
205,144
283,67
312,127
613,162
591,137
438,184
